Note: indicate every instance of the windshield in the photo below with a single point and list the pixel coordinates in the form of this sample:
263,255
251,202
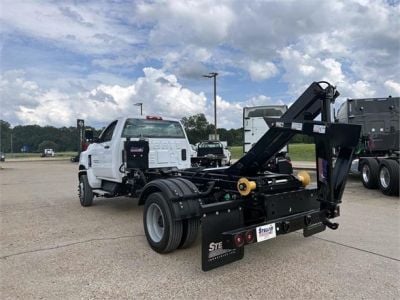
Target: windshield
210,145
263,111
135,128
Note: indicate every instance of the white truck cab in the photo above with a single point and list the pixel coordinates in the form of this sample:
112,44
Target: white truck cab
168,147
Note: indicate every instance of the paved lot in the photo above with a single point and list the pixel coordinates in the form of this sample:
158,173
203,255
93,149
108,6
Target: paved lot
53,248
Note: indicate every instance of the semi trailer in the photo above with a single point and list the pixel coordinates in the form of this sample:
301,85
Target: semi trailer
377,154
255,126
235,206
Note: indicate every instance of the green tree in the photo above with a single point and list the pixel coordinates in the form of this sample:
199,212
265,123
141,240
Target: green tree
47,145
197,128
5,136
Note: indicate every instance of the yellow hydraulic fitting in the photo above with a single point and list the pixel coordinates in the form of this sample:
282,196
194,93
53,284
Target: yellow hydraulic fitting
245,186
304,177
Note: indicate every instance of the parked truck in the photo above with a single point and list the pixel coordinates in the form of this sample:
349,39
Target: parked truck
237,205
377,155
255,125
211,154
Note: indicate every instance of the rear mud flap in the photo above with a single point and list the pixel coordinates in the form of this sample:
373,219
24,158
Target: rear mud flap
213,225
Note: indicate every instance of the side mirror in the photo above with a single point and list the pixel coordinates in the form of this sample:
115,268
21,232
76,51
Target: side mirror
95,140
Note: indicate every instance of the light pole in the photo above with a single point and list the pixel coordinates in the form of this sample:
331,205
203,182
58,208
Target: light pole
141,107
11,141
214,75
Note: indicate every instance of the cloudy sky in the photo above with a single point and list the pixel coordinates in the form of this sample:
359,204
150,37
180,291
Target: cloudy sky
63,60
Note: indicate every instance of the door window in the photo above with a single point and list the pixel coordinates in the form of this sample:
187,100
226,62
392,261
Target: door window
107,134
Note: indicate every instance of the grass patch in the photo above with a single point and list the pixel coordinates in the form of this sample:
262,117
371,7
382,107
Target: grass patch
297,152
302,152
236,152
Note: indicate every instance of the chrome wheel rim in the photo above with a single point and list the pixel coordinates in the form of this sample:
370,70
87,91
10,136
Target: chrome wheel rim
384,177
155,222
365,173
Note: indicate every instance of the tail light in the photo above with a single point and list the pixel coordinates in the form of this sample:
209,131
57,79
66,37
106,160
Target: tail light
153,118
249,236
239,240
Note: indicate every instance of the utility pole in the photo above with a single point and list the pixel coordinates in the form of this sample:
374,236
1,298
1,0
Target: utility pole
214,75
12,151
141,107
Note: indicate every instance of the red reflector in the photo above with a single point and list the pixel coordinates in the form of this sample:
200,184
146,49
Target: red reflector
153,118
249,236
239,240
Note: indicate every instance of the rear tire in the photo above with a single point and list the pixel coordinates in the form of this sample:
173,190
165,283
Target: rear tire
85,191
162,232
389,177
190,231
369,173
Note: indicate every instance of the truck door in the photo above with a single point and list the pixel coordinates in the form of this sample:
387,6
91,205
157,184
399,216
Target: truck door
102,157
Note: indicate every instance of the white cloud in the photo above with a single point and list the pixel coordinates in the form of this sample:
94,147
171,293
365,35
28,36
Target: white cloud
189,22
160,93
353,44
261,70
302,69
260,31
83,27
230,115
393,87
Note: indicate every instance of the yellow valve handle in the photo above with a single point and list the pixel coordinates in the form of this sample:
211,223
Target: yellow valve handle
245,186
304,177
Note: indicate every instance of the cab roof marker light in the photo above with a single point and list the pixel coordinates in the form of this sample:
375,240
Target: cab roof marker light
153,118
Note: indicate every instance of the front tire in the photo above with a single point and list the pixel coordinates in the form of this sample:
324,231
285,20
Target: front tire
369,173
389,177
162,232
85,191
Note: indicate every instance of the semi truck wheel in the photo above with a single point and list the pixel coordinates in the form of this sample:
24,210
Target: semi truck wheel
162,232
190,231
369,173
85,191
389,177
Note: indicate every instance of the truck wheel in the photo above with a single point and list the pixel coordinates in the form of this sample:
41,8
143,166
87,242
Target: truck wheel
162,232
369,173
389,177
85,191
190,231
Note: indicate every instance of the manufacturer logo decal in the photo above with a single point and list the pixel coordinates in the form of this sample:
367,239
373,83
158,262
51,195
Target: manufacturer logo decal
215,250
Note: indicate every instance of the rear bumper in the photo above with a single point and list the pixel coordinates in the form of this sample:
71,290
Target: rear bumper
209,160
226,227
311,222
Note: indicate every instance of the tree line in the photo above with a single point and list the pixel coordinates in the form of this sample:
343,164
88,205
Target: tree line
35,138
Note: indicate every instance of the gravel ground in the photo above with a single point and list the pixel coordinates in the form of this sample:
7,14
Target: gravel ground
52,248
